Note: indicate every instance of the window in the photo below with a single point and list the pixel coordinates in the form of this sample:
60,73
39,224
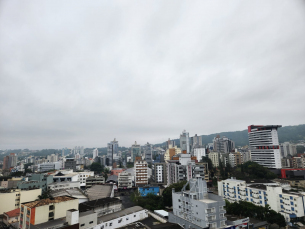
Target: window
51,207
82,225
91,222
110,224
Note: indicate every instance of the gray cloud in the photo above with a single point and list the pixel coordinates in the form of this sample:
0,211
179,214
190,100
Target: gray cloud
81,73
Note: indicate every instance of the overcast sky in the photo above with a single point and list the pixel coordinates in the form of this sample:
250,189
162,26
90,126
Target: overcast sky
85,72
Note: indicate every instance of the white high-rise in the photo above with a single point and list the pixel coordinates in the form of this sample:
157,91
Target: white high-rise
95,153
264,145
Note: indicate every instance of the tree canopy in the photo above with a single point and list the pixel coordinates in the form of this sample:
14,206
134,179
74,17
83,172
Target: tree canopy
251,210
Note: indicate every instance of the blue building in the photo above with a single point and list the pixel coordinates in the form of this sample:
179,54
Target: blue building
145,190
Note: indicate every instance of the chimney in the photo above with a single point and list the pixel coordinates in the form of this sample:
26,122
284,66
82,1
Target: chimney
72,216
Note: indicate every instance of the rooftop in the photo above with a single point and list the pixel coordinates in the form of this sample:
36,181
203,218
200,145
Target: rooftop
43,202
99,191
13,213
89,205
50,224
118,214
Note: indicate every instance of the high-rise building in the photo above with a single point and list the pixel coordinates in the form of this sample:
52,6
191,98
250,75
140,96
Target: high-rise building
52,158
185,142
223,145
264,145
141,172
199,152
95,153
148,152
135,151
159,173
9,161
288,149
170,143
70,164
112,149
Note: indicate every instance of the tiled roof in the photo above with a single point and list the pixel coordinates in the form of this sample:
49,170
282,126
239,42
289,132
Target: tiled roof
13,213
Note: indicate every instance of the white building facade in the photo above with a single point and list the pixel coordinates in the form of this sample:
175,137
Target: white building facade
289,204
264,145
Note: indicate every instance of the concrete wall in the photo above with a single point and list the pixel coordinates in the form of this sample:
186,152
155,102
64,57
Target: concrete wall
41,214
88,221
29,195
62,207
7,201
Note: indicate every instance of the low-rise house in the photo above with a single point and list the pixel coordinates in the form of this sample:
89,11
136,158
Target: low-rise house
11,216
42,211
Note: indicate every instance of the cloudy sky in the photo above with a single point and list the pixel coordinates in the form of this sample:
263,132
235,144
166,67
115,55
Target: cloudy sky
83,72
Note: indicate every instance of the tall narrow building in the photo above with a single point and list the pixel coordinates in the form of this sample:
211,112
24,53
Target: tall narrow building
148,152
95,153
135,151
264,145
112,149
185,142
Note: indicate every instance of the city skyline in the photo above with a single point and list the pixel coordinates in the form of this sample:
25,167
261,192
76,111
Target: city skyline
83,73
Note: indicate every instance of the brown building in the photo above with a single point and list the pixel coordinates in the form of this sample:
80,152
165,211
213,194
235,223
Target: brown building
141,173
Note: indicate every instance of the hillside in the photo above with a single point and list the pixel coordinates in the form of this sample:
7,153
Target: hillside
286,134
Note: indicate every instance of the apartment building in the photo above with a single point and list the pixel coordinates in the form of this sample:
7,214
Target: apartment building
70,163
199,152
41,211
195,170
214,156
11,199
196,208
289,204
49,166
36,181
135,151
185,142
148,152
159,173
83,176
175,172
223,144
235,159
264,145
124,180
94,180
141,173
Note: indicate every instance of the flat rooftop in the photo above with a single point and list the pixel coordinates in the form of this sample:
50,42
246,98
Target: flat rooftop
119,214
43,202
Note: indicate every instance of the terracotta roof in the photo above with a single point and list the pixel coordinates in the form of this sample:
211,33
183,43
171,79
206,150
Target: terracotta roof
43,202
13,213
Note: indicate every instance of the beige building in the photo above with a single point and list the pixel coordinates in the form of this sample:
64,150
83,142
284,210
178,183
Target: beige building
141,175
170,152
12,199
214,156
41,211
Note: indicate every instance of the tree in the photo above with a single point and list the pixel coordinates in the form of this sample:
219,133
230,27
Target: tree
209,161
167,193
96,167
45,194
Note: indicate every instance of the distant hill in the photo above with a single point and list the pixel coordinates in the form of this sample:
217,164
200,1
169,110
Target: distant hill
286,134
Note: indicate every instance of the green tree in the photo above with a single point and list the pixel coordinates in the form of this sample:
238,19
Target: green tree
96,167
167,192
45,194
209,161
